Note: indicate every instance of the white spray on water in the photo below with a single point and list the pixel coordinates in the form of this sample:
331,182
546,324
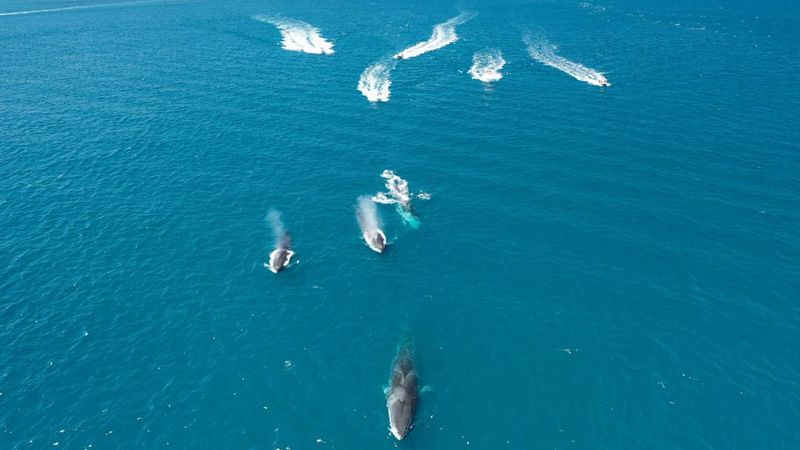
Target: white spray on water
376,80
397,190
543,51
282,239
398,194
281,256
443,34
486,66
368,218
299,36
76,7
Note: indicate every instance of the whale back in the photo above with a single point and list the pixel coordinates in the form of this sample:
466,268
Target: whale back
279,259
402,398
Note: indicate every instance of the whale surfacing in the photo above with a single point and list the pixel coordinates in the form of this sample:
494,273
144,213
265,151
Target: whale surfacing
375,240
281,256
370,224
402,397
279,259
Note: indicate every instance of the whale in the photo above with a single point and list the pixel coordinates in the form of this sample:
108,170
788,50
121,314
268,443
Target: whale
375,239
370,223
279,259
281,256
402,396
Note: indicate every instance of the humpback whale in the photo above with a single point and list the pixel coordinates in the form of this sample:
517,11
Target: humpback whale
402,396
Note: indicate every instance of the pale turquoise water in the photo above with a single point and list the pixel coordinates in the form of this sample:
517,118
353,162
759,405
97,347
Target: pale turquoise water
596,268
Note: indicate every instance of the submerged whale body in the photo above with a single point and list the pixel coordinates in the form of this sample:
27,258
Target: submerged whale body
408,215
376,240
402,397
279,259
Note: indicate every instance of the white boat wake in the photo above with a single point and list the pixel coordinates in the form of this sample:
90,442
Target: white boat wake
76,7
543,51
486,66
376,80
443,34
299,36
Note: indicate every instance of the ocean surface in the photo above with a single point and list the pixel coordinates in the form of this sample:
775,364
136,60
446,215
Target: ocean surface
597,267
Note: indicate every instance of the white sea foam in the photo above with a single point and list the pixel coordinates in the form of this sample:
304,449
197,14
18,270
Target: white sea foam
399,194
543,51
376,80
486,66
443,34
75,7
299,36
397,190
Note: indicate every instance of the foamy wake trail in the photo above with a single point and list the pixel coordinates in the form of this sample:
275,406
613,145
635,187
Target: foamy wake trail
543,51
443,34
278,229
486,66
367,215
76,7
376,80
299,36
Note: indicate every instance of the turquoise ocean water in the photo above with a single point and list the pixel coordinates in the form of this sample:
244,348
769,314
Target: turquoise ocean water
596,268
